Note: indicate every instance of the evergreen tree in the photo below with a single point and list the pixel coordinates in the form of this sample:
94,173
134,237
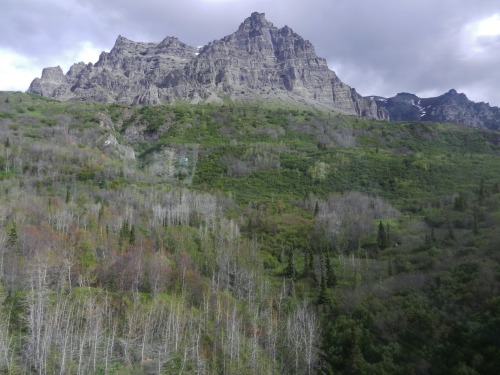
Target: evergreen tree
451,234
100,214
316,209
382,242
496,188
430,239
131,239
482,192
124,234
331,278
309,266
306,270
12,238
475,228
68,194
290,267
388,234
323,292
460,203
356,363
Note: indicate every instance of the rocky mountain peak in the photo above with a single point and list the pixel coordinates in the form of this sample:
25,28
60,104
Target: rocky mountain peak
121,40
170,41
453,96
53,74
258,61
77,68
255,22
405,96
122,44
285,30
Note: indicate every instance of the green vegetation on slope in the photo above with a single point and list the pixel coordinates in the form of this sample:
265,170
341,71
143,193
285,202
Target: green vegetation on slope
244,239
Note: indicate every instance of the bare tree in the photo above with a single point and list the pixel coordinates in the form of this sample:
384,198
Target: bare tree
302,337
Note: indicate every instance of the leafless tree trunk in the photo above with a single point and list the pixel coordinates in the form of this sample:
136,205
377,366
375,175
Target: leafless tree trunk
6,349
302,336
37,299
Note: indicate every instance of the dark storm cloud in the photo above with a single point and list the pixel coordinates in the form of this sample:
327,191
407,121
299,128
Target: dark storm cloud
380,47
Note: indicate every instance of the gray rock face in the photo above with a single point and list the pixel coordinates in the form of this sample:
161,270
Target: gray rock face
450,107
52,83
258,61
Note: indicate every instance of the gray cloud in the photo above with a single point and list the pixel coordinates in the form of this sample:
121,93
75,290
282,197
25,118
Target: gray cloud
380,47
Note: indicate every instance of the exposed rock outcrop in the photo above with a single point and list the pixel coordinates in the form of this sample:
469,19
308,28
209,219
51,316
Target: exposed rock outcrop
258,61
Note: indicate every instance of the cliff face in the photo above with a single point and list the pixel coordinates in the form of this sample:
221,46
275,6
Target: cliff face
450,107
257,61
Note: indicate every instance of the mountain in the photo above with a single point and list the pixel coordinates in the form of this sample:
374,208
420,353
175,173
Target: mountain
259,61
450,107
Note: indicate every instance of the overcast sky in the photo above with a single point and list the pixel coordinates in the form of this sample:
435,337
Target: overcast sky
379,47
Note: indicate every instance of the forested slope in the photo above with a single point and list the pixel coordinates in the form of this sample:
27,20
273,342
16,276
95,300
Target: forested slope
244,238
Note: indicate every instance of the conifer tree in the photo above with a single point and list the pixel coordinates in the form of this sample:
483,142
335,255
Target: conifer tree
331,278
131,239
482,192
12,239
451,234
68,194
430,239
100,215
460,203
475,228
124,234
323,292
382,242
306,270
356,363
316,209
290,267
388,234
311,267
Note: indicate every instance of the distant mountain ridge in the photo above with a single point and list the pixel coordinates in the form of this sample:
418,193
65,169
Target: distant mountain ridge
257,61
450,107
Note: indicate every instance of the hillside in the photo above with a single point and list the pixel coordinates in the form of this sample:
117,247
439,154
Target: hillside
244,238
